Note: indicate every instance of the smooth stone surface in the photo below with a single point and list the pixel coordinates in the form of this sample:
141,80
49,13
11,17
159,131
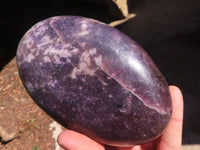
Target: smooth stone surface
95,80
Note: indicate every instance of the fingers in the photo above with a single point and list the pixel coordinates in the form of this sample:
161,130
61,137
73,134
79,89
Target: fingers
172,136
72,140
118,148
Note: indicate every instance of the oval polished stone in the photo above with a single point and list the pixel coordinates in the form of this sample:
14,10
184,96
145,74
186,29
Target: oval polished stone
93,79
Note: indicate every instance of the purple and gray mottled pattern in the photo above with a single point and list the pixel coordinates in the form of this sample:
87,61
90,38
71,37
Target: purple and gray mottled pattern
94,79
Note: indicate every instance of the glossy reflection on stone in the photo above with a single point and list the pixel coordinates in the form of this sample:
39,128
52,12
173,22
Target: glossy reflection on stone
94,79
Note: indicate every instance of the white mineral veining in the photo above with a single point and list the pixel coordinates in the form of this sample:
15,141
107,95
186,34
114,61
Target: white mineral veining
83,44
109,78
28,40
52,53
44,41
39,29
74,73
75,51
28,43
53,50
98,60
110,95
82,68
83,33
104,83
30,86
47,59
92,51
85,65
29,57
83,25
83,28
52,83
131,89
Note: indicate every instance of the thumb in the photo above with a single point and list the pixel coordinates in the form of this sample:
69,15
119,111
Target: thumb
172,135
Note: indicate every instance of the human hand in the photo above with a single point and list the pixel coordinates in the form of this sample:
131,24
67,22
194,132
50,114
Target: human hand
170,139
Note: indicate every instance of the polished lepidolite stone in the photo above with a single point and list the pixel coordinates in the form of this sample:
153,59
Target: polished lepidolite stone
93,79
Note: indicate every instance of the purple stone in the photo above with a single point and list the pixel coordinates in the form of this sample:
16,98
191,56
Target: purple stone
93,79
